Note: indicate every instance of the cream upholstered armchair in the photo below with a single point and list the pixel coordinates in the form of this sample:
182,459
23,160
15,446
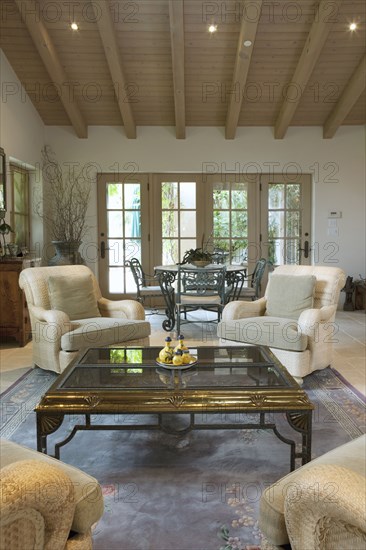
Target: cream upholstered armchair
68,314
320,506
45,504
295,318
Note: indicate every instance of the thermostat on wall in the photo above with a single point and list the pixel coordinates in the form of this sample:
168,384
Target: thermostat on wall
334,214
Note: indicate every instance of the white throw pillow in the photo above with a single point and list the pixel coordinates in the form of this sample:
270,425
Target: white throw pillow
73,295
289,295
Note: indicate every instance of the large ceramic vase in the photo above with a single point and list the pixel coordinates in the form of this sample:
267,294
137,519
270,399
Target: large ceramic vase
67,253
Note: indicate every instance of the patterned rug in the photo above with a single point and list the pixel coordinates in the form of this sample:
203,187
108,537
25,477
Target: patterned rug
197,492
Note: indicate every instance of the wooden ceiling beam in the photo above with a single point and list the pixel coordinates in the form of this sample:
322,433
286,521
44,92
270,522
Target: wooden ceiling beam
315,41
56,72
248,31
350,95
108,36
176,18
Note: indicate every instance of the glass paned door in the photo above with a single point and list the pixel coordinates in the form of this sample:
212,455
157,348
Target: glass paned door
178,219
123,231
286,218
230,220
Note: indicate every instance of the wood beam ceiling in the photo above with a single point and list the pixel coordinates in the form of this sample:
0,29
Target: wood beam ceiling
109,40
176,18
316,39
248,31
56,72
350,95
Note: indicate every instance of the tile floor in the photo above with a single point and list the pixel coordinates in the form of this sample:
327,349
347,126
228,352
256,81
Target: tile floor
349,348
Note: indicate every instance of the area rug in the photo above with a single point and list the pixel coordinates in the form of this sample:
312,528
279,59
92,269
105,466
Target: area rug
197,492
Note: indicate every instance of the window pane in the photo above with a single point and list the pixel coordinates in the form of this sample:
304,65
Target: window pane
239,221
221,224
169,195
132,249
115,224
293,197
276,195
115,252
20,192
132,195
170,251
133,223
276,224
170,223
130,282
276,251
116,280
186,244
292,251
239,196
114,195
221,198
20,229
239,251
188,224
292,224
188,194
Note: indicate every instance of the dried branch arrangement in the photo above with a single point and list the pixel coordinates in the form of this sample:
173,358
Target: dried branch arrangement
65,199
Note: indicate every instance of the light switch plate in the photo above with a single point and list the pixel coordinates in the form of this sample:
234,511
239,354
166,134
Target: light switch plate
334,214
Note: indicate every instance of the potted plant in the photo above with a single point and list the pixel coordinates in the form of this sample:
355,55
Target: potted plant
65,202
197,257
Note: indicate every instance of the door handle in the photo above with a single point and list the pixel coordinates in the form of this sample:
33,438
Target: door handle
305,250
103,248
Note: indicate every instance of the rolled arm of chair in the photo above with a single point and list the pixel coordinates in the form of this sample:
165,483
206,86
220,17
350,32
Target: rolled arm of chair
52,317
37,505
242,310
326,503
311,319
128,309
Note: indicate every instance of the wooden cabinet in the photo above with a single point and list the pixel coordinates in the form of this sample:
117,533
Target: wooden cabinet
14,317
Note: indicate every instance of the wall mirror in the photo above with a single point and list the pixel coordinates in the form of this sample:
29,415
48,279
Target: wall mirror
2,184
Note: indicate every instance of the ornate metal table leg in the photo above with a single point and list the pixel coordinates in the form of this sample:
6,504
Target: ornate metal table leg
47,423
301,421
166,280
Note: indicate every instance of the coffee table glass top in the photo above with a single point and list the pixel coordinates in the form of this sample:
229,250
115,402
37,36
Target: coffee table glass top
135,368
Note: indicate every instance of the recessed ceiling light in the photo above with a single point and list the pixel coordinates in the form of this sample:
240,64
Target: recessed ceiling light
247,43
212,28
74,26
352,27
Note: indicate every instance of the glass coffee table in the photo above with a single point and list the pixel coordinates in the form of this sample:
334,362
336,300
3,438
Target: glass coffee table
225,380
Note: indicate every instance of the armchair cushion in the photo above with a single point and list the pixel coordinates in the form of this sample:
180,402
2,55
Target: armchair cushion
273,332
103,331
74,295
288,296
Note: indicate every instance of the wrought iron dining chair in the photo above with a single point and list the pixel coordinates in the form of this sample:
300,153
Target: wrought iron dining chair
200,288
143,287
253,289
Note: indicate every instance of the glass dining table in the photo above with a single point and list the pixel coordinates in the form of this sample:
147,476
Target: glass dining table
167,275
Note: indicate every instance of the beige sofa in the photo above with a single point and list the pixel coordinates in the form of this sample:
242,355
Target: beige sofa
45,504
320,506
295,318
69,314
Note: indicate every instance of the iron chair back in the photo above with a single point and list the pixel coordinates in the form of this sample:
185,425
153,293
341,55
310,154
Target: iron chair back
253,290
141,279
200,288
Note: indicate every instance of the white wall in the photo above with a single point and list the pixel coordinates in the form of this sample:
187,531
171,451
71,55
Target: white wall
21,136
338,167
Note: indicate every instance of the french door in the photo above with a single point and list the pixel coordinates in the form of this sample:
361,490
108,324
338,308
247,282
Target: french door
123,230
157,217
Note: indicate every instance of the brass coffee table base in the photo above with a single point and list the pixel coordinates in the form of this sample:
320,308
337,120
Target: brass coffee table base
225,381
49,423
